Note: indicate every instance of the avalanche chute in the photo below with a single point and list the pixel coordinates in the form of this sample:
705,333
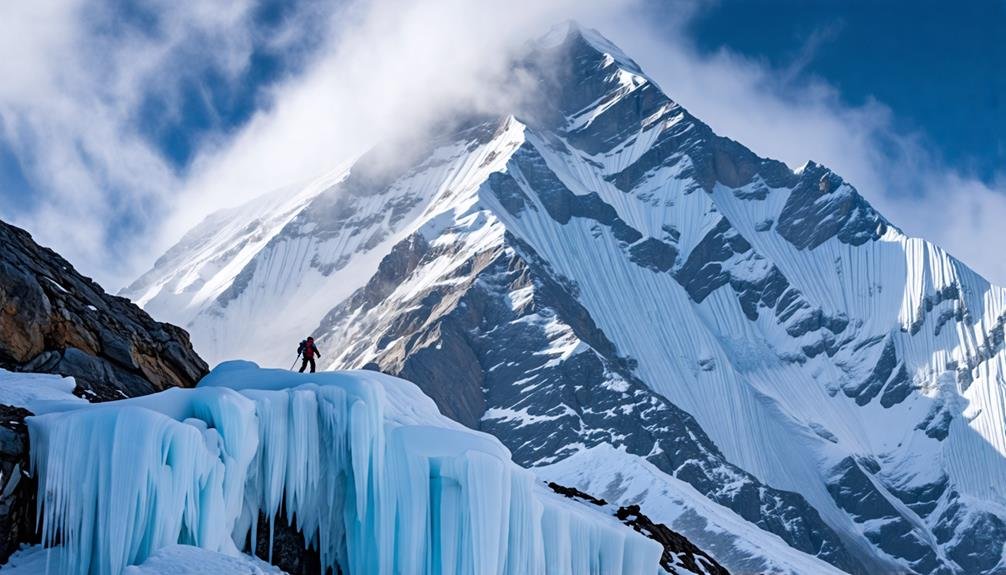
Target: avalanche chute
373,475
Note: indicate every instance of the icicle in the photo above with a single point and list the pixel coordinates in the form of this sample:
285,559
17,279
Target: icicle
376,478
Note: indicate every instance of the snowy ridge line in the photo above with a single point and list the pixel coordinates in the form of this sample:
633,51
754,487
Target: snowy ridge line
211,255
282,264
373,475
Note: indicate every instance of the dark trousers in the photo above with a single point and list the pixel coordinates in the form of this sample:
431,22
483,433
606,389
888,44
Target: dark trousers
303,364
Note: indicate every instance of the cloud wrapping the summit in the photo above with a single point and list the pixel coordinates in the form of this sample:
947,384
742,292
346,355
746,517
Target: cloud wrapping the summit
392,66
106,195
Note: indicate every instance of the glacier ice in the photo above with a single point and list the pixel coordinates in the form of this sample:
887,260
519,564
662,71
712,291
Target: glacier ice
364,464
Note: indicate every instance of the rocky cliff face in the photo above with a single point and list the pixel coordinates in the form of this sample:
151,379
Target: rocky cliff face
54,320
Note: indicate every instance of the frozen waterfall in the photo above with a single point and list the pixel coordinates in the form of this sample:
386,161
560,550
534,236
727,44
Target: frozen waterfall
364,464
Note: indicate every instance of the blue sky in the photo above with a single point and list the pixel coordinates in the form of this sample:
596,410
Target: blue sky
124,123
941,67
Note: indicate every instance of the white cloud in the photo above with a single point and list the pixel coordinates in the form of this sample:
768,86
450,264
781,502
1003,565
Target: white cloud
385,66
74,79
392,65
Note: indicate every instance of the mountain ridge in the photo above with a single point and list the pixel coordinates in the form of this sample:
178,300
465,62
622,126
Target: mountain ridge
611,237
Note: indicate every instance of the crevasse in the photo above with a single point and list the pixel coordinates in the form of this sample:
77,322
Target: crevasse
364,464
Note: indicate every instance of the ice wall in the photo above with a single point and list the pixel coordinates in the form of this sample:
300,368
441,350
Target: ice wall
375,476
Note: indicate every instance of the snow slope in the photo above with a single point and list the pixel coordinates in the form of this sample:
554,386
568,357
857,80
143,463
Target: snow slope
172,560
375,477
625,479
599,267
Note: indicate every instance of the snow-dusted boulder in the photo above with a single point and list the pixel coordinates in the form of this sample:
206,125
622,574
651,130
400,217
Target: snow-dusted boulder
363,463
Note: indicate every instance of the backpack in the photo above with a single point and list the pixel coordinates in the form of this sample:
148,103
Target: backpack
301,347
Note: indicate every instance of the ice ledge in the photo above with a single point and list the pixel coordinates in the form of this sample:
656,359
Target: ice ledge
378,480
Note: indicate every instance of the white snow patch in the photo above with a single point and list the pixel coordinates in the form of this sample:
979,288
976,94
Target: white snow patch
625,479
172,560
36,392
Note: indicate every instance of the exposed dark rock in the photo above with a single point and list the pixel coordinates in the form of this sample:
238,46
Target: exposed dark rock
866,390
283,545
937,422
823,206
508,192
923,499
854,492
898,388
703,272
680,555
54,320
754,192
949,292
981,533
995,337
17,486
574,493
654,254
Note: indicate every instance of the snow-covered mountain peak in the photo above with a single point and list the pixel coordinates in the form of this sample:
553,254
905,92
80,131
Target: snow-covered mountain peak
599,267
570,36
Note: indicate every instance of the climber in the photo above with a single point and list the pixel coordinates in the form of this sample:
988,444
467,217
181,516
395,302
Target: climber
308,351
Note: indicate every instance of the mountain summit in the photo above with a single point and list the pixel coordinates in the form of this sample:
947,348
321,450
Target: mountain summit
600,275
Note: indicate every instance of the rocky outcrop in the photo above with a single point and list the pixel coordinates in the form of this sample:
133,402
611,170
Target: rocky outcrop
680,555
55,320
17,490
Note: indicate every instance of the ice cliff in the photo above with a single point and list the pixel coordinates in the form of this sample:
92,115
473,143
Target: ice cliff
364,464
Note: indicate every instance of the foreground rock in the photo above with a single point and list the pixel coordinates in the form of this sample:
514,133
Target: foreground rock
55,320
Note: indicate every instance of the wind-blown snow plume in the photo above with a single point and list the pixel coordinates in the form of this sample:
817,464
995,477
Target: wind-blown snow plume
374,476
